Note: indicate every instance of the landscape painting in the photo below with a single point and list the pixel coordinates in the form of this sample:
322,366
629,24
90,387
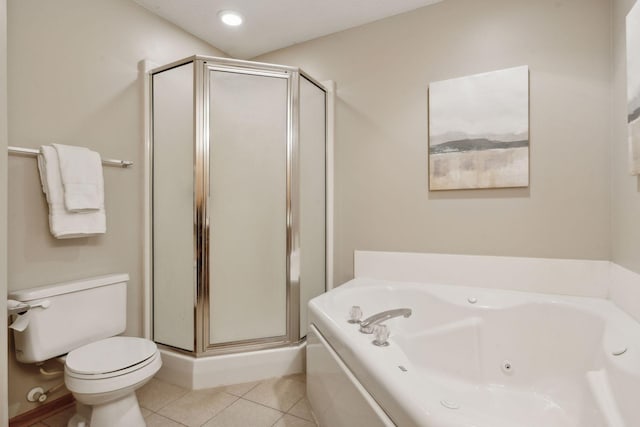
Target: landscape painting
479,131
633,87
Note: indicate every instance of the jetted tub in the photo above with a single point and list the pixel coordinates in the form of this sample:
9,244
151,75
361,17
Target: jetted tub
472,357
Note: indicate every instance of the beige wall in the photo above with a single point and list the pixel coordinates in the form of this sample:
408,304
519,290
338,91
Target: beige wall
74,79
3,210
382,72
625,189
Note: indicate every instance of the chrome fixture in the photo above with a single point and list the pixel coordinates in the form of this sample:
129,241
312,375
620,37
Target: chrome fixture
355,314
382,333
366,326
32,152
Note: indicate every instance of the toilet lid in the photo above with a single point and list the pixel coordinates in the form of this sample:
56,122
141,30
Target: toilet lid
110,355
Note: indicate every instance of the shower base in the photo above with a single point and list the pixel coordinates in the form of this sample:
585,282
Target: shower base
214,371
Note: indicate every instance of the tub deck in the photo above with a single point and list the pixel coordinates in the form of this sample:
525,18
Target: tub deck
487,358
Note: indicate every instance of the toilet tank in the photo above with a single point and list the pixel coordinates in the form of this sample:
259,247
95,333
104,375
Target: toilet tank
77,313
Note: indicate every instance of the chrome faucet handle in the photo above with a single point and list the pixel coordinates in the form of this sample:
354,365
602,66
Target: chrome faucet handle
381,333
355,314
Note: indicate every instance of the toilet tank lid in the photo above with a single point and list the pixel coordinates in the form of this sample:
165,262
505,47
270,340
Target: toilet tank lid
47,291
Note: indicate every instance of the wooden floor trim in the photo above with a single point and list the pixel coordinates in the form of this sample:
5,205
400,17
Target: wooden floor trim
41,412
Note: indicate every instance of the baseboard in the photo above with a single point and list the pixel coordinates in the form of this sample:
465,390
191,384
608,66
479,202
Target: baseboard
41,412
215,371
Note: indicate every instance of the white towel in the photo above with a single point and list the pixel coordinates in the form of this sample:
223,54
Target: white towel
62,223
81,172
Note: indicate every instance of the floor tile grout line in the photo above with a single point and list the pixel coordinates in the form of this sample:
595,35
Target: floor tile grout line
267,406
240,394
276,421
219,413
298,401
236,398
170,419
223,409
294,416
255,385
168,403
299,417
304,396
277,409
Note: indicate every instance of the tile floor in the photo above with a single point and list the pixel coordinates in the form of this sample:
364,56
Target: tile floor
277,402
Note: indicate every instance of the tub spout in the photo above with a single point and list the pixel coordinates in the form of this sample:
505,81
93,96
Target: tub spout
366,326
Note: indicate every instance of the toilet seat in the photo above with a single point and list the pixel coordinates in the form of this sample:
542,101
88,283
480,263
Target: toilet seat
110,357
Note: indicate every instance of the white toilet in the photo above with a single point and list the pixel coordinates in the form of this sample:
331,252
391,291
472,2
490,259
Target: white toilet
81,319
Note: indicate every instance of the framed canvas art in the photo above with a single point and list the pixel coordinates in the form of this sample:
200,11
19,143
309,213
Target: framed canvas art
633,87
479,131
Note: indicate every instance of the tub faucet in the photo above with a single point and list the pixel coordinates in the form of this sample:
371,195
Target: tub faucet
367,325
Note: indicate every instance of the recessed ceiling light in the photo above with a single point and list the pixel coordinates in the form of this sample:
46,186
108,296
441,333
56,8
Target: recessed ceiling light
230,17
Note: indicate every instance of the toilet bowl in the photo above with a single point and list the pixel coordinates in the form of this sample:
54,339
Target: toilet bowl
105,374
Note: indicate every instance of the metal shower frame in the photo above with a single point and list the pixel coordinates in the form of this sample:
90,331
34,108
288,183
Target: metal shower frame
203,65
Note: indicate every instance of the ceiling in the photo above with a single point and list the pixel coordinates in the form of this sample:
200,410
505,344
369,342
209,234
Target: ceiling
273,24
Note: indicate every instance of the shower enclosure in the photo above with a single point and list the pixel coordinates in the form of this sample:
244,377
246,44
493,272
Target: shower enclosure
239,205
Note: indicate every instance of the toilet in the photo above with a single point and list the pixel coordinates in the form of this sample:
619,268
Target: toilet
79,322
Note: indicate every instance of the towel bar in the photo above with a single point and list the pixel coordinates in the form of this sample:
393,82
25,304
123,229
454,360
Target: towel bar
34,152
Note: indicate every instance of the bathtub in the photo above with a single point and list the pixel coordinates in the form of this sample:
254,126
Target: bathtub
472,357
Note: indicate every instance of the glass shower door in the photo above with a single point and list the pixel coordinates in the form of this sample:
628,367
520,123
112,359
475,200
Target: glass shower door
312,178
248,115
174,275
